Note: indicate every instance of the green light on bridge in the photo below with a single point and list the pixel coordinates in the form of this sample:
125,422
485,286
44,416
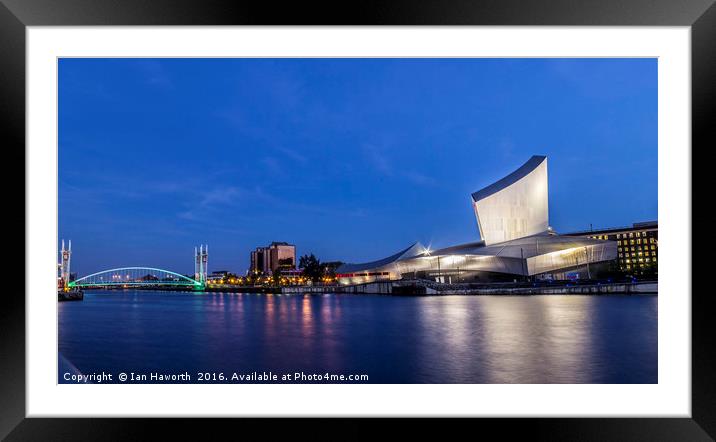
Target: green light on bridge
98,279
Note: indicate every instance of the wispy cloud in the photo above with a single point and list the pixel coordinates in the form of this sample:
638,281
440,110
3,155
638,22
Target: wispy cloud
207,203
382,164
154,73
221,196
293,155
272,165
419,178
378,159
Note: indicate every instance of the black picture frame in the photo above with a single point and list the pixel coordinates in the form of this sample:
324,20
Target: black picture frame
700,15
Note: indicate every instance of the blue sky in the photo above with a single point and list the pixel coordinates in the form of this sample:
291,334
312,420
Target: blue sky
350,159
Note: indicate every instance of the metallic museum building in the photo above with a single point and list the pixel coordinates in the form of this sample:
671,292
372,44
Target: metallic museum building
517,241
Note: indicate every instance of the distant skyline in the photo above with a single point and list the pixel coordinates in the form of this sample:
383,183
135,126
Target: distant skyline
349,159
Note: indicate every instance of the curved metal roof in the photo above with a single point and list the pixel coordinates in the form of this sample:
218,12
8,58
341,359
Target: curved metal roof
510,179
460,249
412,251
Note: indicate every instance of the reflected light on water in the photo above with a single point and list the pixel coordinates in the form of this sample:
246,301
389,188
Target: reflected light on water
544,339
393,339
307,325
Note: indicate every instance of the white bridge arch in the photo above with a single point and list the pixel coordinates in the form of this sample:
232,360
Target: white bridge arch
136,276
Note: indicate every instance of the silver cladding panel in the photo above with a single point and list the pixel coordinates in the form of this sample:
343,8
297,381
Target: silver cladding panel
572,257
542,254
517,210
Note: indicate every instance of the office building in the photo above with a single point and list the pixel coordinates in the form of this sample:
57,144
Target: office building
278,255
637,245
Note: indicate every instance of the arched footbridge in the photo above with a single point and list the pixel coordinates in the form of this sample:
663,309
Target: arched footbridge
137,277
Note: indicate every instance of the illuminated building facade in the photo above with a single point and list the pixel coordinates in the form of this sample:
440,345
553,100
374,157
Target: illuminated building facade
201,263
515,206
516,242
278,255
64,266
637,246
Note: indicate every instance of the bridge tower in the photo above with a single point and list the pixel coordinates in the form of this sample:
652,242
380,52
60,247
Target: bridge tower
201,261
65,265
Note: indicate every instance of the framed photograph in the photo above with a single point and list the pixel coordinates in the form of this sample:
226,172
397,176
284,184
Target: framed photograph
426,211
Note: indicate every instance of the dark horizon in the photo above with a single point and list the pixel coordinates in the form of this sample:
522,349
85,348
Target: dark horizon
349,159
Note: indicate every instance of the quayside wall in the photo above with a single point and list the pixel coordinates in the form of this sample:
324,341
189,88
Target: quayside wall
417,288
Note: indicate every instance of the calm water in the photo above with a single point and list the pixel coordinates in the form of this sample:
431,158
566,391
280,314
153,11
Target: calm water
449,339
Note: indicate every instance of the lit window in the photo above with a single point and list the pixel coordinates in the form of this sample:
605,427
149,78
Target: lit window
631,234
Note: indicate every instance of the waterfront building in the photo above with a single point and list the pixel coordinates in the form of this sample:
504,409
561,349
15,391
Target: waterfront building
291,273
277,255
516,242
217,277
637,245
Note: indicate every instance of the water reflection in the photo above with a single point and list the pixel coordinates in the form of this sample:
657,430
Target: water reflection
450,339
544,339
